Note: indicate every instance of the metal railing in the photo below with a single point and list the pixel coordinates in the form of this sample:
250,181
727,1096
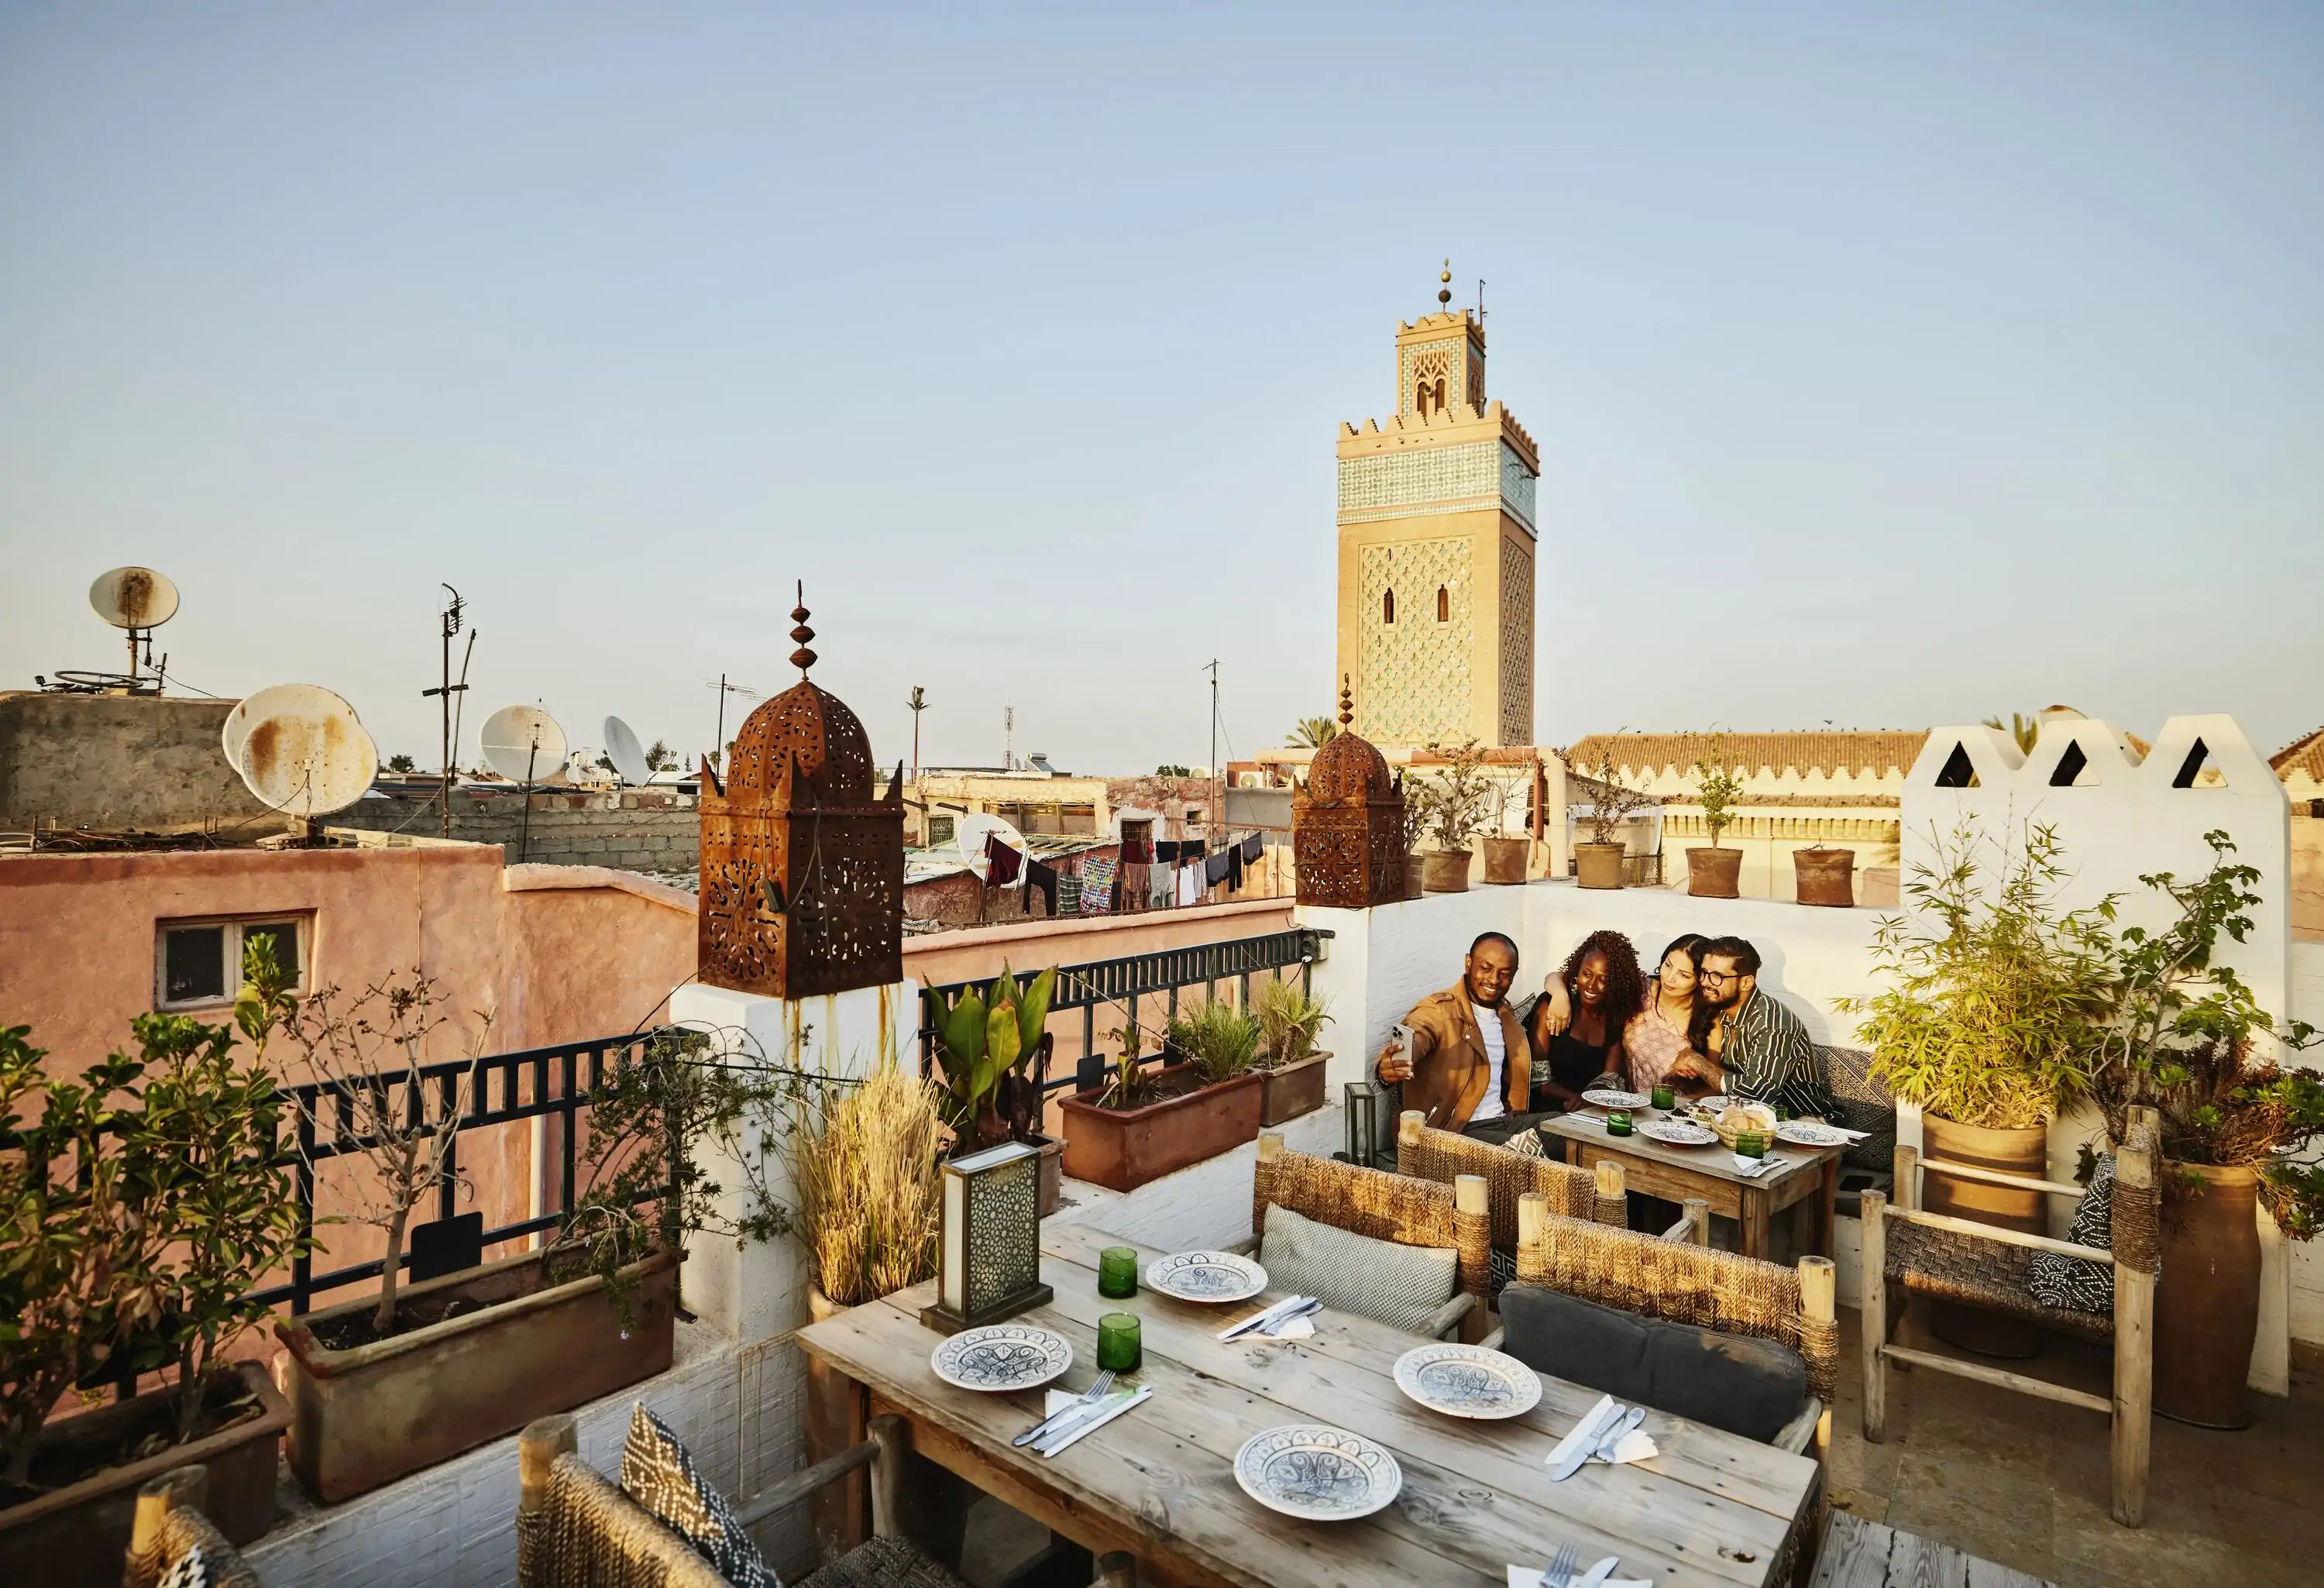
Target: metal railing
1092,985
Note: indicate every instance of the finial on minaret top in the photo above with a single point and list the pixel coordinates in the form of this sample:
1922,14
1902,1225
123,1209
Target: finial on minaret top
1444,292
1347,703
801,659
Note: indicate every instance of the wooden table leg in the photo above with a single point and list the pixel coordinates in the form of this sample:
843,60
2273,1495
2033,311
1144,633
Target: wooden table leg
1754,1234
1830,1245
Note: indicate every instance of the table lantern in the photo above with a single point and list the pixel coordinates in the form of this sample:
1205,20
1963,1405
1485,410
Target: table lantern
1363,1124
989,1266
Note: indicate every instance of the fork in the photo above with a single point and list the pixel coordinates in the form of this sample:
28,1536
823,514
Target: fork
1559,1572
1089,1396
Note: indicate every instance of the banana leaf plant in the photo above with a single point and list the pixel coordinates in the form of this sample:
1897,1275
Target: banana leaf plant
994,1050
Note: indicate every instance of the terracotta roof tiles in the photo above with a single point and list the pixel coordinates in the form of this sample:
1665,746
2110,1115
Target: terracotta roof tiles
1834,754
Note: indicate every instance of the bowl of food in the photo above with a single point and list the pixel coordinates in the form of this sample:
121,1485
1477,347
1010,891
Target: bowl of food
1737,1119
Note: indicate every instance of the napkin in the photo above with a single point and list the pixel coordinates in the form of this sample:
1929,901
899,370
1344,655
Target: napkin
1299,1328
1636,1444
1750,1167
1111,1407
1530,1577
1589,1419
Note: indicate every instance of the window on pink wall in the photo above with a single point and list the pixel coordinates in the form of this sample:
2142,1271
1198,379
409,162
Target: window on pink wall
198,963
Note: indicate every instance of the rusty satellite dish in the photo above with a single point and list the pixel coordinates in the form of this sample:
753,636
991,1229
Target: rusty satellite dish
524,745
621,750
300,749
134,598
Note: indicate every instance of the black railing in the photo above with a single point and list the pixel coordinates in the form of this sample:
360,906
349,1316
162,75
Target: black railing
1091,986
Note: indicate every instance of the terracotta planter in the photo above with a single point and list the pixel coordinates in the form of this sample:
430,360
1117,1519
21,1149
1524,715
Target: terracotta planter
1598,865
1295,1089
1505,861
1415,876
2207,1295
1122,1148
1822,876
75,1537
1445,871
1714,872
2015,1151
370,1414
1053,1170
836,1419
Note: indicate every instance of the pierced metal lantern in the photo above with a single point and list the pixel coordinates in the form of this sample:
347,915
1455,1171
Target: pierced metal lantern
802,862
1347,822
989,1266
1362,1118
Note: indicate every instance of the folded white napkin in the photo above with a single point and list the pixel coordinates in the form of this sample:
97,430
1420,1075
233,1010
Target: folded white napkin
1106,1410
1298,1328
1636,1446
1530,1577
1751,1167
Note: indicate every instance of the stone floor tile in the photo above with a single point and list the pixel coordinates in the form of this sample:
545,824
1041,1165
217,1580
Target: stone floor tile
1997,1509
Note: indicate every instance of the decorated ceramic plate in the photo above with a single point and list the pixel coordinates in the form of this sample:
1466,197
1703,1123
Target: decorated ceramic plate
1609,1098
1002,1357
1810,1134
1206,1276
1675,1133
1467,1380
1317,1473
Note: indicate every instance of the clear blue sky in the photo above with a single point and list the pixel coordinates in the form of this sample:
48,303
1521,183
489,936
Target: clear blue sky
1890,365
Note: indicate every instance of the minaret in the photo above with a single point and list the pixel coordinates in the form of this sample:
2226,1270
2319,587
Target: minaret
1436,549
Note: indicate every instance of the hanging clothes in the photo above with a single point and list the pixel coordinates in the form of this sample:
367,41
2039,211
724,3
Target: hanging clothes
1097,885
1190,884
1002,863
1214,869
1163,881
1252,847
1042,879
1135,884
1069,893
1166,852
1138,852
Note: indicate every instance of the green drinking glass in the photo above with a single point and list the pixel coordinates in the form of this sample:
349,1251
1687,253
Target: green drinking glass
1117,1342
1751,1144
1117,1273
1617,1123
1664,1098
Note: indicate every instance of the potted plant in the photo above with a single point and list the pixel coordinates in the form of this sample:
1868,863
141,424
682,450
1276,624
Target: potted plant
1505,856
147,1266
387,1385
1139,1127
993,1048
1415,821
2188,1039
1452,809
1988,1024
1290,1066
1825,876
1714,872
1598,864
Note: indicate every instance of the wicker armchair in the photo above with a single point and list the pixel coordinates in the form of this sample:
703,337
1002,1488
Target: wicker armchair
573,1530
1386,1207
1908,1251
1426,1153
168,1524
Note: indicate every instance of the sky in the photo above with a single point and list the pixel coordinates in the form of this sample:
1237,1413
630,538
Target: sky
1889,366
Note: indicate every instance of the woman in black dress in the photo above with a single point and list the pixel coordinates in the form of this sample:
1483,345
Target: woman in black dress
1602,977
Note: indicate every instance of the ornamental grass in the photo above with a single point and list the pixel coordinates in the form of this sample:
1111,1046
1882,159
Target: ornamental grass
863,1169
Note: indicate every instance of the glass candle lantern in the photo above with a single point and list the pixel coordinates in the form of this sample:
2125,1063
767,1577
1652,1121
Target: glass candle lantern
1117,1272
1617,1123
1118,1346
988,1258
1664,1097
1363,1124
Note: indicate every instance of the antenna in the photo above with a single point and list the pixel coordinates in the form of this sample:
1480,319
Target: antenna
1480,300
621,750
137,599
724,689
1008,738
447,692
1218,784
302,750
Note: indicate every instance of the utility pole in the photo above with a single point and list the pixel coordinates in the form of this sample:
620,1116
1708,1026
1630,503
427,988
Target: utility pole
918,703
445,693
1218,780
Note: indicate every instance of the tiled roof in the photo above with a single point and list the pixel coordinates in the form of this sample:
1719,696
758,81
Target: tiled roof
1852,752
2305,754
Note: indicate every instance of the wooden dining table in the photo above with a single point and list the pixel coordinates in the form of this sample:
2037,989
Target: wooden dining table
1710,1509
1677,1173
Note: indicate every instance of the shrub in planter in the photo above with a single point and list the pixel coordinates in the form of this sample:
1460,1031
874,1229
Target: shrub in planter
1715,873
1452,809
993,1048
1142,1125
1291,1069
1598,864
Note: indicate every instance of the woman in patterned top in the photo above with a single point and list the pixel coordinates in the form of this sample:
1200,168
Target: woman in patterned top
1607,992
1673,1025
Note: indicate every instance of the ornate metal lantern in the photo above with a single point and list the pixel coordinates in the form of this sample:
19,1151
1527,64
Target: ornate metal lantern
1347,823
989,1263
802,864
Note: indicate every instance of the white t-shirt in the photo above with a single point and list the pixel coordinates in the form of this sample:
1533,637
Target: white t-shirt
1488,1025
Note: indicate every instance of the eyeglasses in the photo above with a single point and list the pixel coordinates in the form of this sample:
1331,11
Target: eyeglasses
1718,975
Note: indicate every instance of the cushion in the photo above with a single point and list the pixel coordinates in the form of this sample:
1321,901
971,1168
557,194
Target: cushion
2077,1282
1391,1284
189,1570
1744,1385
658,1474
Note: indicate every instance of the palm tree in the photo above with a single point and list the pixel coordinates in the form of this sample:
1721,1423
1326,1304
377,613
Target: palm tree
2023,728
1313,733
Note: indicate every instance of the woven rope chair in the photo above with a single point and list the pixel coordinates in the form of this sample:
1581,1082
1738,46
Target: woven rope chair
1908,1251
573,1530
168,1524
1386,1207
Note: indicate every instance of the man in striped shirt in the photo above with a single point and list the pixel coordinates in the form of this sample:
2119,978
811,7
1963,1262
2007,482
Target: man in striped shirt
1764,1048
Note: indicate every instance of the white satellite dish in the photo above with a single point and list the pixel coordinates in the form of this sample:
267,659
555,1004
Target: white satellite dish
303,750
968,835
621,750
134,598
524,742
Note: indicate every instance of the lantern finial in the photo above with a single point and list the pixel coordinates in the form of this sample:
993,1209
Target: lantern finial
801,659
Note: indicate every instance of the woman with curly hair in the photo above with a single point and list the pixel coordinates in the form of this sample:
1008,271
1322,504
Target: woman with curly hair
1601,977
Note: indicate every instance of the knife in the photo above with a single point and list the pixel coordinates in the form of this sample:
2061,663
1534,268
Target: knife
1257,1318
1583,1447
1598,1573
1276,1325
1620,1431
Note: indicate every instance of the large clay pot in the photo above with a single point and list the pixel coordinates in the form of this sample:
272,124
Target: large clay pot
1122,1148
1445,871
836,1421
1823,876
2207,1295
1291,1091
1598,865
2012,1151
1714,872
1505,861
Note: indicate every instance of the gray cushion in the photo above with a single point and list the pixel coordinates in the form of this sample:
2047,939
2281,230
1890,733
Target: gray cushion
1391,1284
1733,1381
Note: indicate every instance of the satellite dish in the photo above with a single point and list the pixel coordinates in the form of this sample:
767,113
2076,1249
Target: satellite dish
621,750
524,742
303,750
969,833
134,598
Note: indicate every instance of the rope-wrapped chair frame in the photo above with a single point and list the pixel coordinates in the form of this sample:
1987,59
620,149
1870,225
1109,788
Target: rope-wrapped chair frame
1426,1153
168,1524
1372,1201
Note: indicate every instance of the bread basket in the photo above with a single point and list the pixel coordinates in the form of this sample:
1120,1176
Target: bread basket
1738,1118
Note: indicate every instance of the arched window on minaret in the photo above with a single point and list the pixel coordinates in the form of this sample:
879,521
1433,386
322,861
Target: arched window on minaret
1387,606
1443,605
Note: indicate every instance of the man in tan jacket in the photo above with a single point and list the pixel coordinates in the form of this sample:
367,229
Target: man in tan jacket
1471,1069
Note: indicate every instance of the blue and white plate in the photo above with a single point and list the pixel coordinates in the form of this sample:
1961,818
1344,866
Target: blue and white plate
1468,1380
1317,1473
1811,1133
1002,1357
1215,1277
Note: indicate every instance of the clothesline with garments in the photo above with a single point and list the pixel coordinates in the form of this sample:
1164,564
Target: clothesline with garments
1146,873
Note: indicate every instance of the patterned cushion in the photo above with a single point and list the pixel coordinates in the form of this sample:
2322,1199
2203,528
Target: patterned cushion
1859,1102
2073,1281
1397,1285
189,1570
658,1474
